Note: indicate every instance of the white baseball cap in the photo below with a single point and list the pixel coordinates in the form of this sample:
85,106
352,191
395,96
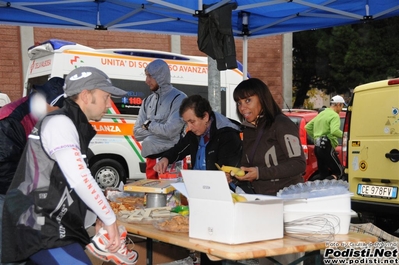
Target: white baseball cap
338,99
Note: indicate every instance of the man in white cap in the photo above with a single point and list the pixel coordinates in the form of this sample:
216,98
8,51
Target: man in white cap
47,204
325,130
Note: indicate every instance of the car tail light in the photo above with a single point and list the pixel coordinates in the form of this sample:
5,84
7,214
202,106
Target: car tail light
302,132
306,151
393,82
345,139
303,138
344,149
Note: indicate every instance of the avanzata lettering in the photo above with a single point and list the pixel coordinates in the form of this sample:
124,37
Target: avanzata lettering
106,128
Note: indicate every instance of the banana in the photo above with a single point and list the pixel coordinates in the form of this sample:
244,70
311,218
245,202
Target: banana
234,198
238,198
241,198
233,171
237,172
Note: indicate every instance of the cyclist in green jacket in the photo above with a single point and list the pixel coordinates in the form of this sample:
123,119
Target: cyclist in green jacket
325,130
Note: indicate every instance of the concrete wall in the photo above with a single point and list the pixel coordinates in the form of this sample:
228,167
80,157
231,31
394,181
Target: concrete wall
265,55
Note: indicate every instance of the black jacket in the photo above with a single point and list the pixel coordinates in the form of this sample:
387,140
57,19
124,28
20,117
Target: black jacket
15,125
224,146
215,36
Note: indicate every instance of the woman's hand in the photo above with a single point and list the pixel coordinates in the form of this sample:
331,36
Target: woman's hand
161,166
251,175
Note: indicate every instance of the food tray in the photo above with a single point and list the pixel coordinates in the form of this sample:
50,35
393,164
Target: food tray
125,203
145,215
179,224
150,185
144,221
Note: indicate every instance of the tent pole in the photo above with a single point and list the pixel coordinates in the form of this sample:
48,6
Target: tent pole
214,93
245,57
245,33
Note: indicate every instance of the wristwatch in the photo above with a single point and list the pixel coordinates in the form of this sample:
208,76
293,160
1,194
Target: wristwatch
146,124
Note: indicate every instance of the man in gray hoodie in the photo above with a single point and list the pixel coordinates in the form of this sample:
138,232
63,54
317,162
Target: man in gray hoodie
159,124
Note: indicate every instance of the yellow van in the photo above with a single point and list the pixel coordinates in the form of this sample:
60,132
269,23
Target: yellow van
371,152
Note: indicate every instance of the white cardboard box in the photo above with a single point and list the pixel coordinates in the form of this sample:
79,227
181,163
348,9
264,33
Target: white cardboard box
214,216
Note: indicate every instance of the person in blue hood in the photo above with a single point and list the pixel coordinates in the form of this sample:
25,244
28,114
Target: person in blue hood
159,125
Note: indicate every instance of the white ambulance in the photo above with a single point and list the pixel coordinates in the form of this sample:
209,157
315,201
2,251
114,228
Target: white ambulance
116,153
4,99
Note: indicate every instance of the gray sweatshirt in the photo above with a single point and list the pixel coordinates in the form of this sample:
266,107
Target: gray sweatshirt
162,109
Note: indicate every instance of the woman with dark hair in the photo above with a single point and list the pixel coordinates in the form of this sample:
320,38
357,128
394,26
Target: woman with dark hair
272,154
211,138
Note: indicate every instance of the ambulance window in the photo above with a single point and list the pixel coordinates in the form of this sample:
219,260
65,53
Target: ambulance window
139,90
190,90
40,80
154,55
203,91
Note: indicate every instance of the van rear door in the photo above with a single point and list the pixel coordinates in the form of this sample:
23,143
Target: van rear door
373,146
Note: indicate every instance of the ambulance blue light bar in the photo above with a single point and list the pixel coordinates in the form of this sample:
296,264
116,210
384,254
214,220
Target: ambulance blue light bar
55,43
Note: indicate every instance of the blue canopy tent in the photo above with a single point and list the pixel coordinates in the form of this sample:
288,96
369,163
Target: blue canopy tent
266,17
250,19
